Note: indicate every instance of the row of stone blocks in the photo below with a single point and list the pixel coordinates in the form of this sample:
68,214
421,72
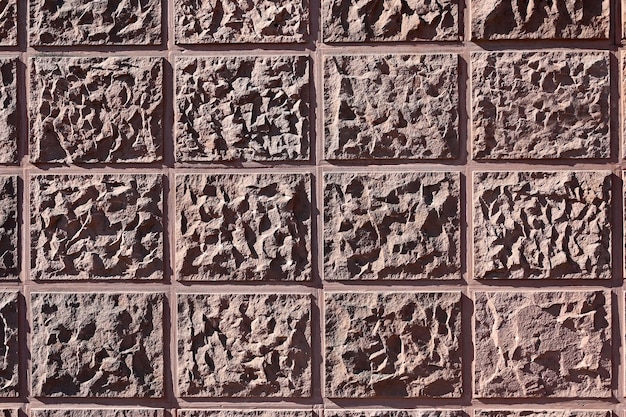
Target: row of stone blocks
259,226
524,105
308,413
526,344
83,22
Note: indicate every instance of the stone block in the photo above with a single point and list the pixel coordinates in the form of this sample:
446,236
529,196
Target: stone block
8,109
542,413
541,105
563,19
242,413
97,227
552,344
135,412
244,345
97,344
542,225
94,110
255,21
89,22
393,413
242,108
391,106
395,225
7,412
9,231
243,227
390,20
9,347
393,345
8,23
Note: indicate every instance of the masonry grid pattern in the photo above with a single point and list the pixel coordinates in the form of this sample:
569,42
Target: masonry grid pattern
312,208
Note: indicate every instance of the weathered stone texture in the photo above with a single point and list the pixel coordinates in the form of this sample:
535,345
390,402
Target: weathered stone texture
8,22
559,19
9,412
547,413
391,106
390,20
97,344
8,109
97,226
393,413
541,105
9,232
391,226
244,345
393,345
243,227
242,413
242,108
543,344
542,225
9,345
97,413
90,22
254,21
86,110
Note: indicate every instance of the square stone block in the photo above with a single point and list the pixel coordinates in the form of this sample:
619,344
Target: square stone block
9,230
254,21
9,347
94,110
243,227
563,19
97,345
543,413
244,345
541,105
542,225
8,23
395,225
97,227
91,22
393,345
242,413
98,413
390,20
391,107
8,109
242,108
393,413
553,344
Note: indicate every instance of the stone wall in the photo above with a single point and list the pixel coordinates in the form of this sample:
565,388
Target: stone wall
312,208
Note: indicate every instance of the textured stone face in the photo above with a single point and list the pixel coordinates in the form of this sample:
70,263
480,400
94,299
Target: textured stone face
244,345
243,227
559,19
547,413
9,258
97,345
391,106
237,413
96,109
391,226
8,108
543,344
242,108
97,413
9,346
8,22
255,21
97,226
90,22
542,225
393,345
390,20
540,105
394,413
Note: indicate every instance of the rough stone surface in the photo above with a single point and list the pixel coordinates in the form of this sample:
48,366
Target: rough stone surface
391,226
390,20
542,225
391,106
541,105
254,21
91,22
547,413
9,346
97,413
244,345
559,19
543,344
243,227
97,226
241,413
8,22
242,108
393,345
87,110
97,344
9,412
9,232
394,413
8,108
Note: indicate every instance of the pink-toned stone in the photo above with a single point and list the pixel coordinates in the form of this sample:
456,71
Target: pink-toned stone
8,109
